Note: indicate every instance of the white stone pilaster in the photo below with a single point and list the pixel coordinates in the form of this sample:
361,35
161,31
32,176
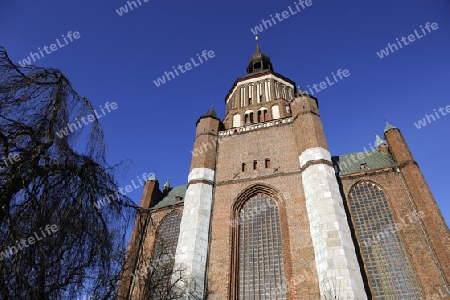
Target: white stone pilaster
336,261
192,248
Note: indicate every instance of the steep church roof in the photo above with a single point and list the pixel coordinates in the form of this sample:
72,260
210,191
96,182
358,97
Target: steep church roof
211,113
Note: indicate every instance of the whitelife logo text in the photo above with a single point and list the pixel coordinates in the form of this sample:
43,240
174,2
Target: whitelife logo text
86,120
411,38
280,17
187,66
49,229
53,47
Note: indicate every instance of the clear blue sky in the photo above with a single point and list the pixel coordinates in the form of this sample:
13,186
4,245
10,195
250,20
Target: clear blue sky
116,58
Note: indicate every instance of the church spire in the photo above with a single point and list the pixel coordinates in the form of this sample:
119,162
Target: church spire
211,113
166,187
380,144
258,49
167,184
378,140
259,62
388,127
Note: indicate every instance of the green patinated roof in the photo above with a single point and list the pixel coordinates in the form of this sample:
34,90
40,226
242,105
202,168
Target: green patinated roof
170,200
373,158
388,127
379,141
167,184
152,177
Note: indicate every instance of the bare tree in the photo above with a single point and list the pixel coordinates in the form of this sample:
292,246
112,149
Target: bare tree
156,277
45,180
157,280
332,290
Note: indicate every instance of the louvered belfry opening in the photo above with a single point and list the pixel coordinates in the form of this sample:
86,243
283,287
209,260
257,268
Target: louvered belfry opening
260,254
388,266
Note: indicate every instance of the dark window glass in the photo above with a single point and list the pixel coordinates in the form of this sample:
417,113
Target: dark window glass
384,255
261,267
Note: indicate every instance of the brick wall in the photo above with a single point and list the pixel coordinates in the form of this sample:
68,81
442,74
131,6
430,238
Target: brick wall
283,178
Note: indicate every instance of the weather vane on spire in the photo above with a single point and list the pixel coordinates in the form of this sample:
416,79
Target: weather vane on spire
258,49
257,40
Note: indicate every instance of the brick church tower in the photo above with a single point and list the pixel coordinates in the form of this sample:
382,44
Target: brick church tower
268,213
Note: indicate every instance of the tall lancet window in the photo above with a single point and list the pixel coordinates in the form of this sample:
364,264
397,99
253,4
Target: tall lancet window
388,266
258,92
260,258
288,93
267,90
277,90
159,271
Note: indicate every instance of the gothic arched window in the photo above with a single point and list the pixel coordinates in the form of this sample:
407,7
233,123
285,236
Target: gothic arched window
260,254
262,115
248,117
388,267
160,271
